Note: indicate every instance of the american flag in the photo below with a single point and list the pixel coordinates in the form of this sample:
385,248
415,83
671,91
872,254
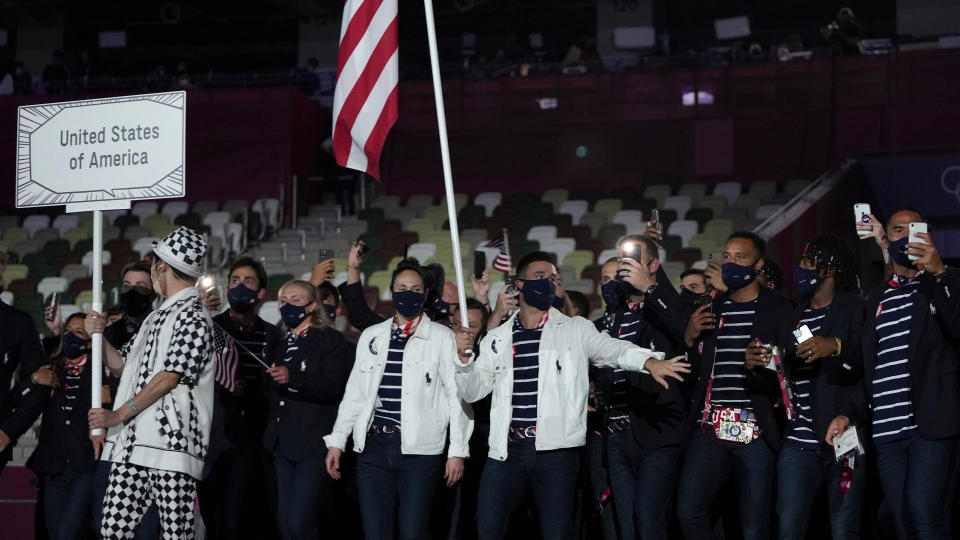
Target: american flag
228,360
502,262
365,96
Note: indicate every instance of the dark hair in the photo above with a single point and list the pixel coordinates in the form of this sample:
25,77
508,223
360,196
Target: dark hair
250,262
473,303
649,246
902,208
326,290
693,272
758,243
532,257
114,310
408,264
57,354
138,266
830,250
773,274
580,302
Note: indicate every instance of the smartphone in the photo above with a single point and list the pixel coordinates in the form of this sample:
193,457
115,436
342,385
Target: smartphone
510,283
716,258
631,250
325,255
802,334
915,228
705,299
363,249
655,217
52,308
861,212
479,263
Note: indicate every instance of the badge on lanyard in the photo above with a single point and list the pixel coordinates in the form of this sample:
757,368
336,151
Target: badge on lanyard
372,346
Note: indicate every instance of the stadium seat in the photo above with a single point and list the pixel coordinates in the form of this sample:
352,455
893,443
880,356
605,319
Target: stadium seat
144,245
489,200
437,215
555,197
679,203
687,256
719,229
794,187
767,210
608,207
175,209
729,191
52,284
65,222
700,214
86,297
12,235
45,235
578,259
142,209
714,202
586,286
706,244
14,272
629,218
202,208
673,269
606,255
7,298
693,189
381,280
474,236
87,259
749,203
27,246
270,312
576,208
763,189
470,215
685,229
541,233
7,222
658,192
35,221
595,222
559,246
611,233
422,250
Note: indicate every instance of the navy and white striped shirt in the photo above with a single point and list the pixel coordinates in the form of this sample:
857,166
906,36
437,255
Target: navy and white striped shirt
733,336
387,412
631,323
892,408
526,373
801,433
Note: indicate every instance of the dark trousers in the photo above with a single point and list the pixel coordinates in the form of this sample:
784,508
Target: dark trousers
599,483
388,479
66,501
800,473
917,477
550,475
149,527
299,488
708,464
643,483
233,497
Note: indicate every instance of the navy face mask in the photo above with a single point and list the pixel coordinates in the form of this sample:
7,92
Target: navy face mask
539,293
74,346
736,276
614,293
331,311
441,308
292,315
689,296
897,251
807,281
134,303
558,302
242,299
408,303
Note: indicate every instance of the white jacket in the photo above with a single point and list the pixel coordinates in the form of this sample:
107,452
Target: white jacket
429,402
566,346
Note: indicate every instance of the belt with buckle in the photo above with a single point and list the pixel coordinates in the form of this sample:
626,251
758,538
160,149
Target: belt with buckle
518,433
383,429
616,425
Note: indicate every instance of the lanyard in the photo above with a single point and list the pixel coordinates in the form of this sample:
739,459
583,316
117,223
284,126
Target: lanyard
410,327
784,390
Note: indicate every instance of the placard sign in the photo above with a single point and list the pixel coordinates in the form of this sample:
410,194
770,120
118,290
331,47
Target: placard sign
101,150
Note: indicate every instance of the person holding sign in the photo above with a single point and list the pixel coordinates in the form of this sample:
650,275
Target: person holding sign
822,348
159,428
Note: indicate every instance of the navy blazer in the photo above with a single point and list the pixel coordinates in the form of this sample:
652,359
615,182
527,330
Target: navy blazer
832,378
934,357
19,346
305,409
65,437
762,384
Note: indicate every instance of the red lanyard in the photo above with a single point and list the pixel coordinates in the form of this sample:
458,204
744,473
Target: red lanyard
411,326
784,391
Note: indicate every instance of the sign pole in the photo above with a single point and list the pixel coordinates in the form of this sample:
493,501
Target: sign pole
96,353
445,157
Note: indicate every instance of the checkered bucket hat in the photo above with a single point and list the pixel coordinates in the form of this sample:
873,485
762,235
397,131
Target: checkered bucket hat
182,249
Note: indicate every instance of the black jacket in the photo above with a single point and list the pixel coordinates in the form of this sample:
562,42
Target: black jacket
832,378
657,414
65,437
305,409
358,312
934,357
762,384
19,346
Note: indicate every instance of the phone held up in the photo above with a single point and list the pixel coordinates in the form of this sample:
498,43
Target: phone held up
913,229
479,263
861,212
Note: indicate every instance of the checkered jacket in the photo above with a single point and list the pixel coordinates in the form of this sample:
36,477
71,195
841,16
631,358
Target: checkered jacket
172,434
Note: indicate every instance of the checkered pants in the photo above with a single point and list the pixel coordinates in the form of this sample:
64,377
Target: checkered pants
132,489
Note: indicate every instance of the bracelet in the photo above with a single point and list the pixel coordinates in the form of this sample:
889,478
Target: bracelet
839,347
132,406
941,274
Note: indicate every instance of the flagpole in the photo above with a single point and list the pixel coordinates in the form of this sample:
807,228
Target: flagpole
445,156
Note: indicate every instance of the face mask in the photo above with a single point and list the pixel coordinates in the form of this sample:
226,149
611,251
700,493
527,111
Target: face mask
807,281
736,276
242,299
408,303
134,303
441,308
897,251
74,346
613,293
689,296
558,302
331,311
539,293
292,315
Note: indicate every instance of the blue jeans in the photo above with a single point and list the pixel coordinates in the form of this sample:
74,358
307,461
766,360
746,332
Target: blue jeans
642,482
66,503
299,484
550,475
149,527
917,475
599,482
708,464
800,473
386,478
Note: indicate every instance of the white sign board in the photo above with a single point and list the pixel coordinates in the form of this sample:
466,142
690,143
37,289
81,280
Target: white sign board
101,150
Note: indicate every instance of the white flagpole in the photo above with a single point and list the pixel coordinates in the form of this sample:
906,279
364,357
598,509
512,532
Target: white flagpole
445,155
96,352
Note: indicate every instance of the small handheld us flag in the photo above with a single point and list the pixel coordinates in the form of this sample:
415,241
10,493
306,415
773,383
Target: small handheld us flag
502,262
225,371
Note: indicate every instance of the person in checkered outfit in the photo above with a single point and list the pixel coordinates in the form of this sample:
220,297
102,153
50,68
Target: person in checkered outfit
159,428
